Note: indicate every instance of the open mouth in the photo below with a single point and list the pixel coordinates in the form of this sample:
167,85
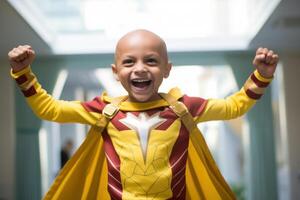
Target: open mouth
141,83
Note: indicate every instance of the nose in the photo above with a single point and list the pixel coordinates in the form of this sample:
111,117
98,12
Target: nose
140,68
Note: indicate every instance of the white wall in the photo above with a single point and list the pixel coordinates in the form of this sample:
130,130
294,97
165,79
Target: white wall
7,134
291,73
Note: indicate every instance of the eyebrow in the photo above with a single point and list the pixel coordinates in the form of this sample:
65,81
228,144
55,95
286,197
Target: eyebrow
126,57
152,55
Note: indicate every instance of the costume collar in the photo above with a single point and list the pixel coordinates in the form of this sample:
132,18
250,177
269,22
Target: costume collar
135,106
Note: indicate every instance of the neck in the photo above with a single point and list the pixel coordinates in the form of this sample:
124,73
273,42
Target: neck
152,98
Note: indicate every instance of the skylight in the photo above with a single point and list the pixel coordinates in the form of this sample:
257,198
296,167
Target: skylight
94,26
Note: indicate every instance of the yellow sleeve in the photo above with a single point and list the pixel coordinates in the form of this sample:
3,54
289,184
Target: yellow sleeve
237,104
48,108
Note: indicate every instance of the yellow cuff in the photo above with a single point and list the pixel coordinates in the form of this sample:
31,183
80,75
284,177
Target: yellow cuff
20,73
261,78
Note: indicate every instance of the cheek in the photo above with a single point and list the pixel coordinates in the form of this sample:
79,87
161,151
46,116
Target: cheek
158,78
123,74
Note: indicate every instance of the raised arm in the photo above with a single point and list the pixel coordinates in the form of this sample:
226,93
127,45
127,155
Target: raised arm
43,104
239,103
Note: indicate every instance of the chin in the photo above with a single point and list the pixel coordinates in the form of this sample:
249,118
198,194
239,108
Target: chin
140,98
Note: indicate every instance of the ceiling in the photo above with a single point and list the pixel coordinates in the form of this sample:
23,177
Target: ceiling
281,31
15,31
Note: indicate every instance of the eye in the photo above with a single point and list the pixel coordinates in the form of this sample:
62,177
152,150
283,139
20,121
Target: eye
127,62
151,61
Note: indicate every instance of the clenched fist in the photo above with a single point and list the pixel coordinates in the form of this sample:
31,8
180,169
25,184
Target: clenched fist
21,57
265,62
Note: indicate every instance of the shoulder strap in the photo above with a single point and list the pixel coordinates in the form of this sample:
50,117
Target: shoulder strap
181,111
111,109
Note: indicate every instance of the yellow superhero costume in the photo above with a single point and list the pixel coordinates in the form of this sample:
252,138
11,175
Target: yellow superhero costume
141,151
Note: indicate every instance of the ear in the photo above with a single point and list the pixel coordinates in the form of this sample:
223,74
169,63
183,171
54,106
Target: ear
167,70
115,71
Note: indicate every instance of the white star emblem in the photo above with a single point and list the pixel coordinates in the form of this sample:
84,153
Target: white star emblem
142,125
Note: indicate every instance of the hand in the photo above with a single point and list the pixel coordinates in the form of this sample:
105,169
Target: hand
21,57
265,61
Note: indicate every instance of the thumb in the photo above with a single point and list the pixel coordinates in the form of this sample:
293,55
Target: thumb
259,59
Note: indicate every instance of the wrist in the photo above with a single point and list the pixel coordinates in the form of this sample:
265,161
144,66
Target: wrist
26,81
263,77
16,74
18,69
255,85
266,76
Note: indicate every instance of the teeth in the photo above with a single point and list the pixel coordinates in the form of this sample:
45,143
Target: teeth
140,81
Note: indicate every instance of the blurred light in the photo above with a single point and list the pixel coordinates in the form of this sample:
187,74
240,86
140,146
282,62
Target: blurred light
60,82
43,143
109,83
191,25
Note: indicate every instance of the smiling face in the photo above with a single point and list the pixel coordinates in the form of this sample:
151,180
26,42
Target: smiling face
141,63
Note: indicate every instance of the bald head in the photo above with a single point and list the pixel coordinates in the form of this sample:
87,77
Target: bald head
138,38
141,64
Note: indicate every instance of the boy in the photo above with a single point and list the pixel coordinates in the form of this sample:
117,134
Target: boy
151,150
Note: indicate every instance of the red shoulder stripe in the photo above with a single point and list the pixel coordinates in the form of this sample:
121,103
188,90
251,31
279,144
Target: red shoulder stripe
195,105
96,105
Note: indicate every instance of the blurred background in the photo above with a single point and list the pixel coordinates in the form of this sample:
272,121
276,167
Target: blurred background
211,44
